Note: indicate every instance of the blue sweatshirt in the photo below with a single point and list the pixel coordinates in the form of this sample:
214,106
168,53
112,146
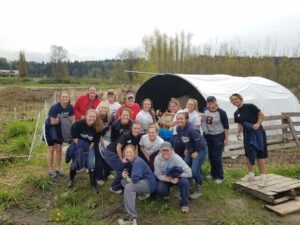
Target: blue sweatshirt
140,170
189,138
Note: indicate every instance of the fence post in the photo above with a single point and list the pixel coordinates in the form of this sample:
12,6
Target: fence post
293,130
34,135
15,113
284,130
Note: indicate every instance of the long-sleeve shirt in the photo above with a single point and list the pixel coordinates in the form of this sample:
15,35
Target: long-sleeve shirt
83,104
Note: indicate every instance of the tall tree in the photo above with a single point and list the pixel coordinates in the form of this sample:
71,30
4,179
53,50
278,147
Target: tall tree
22,64
58,57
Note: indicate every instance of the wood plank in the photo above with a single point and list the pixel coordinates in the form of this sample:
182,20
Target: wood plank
292,114
276,127
285,208
293,131
275,117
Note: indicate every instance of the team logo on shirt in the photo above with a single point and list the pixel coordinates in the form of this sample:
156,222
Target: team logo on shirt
129,141
209,120
185,139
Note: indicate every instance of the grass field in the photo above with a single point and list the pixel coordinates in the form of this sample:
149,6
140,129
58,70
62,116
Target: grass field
29,196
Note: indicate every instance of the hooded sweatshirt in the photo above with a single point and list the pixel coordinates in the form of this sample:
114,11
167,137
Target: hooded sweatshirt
161,166
83,104
189,138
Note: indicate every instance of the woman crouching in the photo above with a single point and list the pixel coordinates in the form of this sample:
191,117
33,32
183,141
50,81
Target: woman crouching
85,133
137,179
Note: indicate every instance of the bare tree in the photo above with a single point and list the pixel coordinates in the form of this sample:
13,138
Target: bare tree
58,57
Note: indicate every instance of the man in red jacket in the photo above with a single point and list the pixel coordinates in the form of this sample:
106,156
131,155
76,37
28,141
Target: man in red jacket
86,102
130,104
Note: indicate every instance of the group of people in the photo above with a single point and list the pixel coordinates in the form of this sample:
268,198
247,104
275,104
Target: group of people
148,154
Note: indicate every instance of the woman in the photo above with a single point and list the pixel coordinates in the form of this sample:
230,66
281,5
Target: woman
130,104
85,102
137,179
111,100
215,127
249,118
52,132
85,134
118,128
167,121
146,115
192,146
102,169
194,116
150,144
170,169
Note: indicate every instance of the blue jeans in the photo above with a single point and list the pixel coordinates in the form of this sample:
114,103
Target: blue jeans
215,144
196,164
117,165
90,159
163,189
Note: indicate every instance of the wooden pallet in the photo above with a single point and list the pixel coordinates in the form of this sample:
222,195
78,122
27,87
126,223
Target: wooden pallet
277,188
285,208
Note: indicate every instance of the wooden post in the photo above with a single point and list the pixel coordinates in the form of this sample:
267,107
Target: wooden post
284,130
293,130
15,113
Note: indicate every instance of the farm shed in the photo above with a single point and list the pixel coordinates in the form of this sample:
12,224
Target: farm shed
271,97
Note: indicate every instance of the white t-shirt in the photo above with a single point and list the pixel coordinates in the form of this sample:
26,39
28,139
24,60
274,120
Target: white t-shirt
144,118
151,147
114,107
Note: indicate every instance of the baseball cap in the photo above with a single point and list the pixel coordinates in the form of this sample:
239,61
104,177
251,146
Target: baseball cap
129,94
211,99
166,145
110,91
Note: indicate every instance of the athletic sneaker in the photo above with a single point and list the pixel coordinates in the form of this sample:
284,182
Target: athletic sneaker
209,177
185,209
100,182
60,173
143,196
262,181
116,192
127,221
53,174
219,181
197,193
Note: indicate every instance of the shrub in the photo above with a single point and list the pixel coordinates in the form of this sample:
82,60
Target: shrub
18,128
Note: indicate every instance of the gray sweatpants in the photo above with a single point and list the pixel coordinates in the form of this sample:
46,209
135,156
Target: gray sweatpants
130,191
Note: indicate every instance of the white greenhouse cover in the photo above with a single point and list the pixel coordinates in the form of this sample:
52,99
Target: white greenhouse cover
271,97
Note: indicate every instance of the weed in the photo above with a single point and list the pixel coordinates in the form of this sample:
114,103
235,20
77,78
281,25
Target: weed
9,197
21,144
41,182
17,128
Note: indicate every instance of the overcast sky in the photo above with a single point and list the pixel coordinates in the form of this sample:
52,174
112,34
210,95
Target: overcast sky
95,29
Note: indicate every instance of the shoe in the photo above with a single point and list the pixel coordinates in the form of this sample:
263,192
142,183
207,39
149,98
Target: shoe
143,196
185,209
111,177
70,183
209,177
100,182
197,193
261,182
117,191
60,173
53,174
127,221
248,178
219,181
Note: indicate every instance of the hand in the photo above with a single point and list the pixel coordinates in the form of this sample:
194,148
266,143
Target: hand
174,180
186,152
256,126
238,136
75,140
124,160
225,142
194,155
125,174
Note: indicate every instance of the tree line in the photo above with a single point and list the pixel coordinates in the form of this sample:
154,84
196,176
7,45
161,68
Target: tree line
161,53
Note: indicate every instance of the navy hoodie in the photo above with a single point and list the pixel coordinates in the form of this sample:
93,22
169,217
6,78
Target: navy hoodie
189,138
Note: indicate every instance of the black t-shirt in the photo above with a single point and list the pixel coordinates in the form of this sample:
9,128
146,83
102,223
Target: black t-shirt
129,139
80,129
118,129
247,113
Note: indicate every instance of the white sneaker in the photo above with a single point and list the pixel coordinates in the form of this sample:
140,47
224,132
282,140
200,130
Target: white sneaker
185,209
143,196
248,178
209,177
261,182
116,192
219,181
127,221
100,182
111,177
